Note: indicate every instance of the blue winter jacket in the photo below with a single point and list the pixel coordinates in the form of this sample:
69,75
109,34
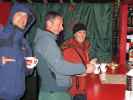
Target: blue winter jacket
53,70
12,75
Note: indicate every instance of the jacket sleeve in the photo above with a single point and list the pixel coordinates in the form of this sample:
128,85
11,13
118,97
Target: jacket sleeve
52,53
27,53
26,48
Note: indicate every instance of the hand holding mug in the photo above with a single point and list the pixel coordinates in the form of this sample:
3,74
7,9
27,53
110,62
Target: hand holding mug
31,62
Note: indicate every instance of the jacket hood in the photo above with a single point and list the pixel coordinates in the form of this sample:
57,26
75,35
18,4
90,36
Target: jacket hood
24,7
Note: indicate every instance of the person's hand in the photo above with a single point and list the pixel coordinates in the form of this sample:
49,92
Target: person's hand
93,61
90,68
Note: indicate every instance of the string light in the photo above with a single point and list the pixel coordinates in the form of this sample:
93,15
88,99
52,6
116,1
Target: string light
45,1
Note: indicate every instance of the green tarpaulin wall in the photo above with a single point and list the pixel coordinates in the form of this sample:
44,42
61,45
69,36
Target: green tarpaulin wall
96,16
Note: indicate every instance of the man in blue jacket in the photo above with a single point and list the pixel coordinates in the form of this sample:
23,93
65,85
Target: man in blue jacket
13,49
53,70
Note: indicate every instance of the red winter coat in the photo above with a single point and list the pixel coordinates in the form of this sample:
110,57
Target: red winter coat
76,53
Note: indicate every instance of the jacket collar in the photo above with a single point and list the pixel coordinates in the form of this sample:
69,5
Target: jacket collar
50,34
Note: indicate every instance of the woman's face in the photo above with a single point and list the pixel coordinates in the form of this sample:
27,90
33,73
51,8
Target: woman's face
80,36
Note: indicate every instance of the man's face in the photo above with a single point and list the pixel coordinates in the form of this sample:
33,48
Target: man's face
20,19
57,25
80,36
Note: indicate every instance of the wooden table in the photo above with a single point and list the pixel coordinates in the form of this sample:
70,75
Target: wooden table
98,91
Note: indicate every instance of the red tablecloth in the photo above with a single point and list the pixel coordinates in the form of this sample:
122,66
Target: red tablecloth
98,91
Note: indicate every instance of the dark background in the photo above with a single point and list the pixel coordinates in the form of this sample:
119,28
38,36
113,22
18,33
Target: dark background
65,1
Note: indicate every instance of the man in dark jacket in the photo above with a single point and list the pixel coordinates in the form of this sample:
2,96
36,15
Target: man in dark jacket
13,49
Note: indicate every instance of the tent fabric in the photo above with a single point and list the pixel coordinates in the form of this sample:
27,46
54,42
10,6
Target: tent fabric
5,10
97,18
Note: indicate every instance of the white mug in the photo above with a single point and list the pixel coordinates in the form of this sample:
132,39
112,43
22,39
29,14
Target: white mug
31,62
97,69
103,67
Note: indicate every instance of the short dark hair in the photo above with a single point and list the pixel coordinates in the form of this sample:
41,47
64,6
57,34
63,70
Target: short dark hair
51,15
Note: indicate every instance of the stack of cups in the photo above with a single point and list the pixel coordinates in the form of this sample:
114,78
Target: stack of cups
101,70
129,85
